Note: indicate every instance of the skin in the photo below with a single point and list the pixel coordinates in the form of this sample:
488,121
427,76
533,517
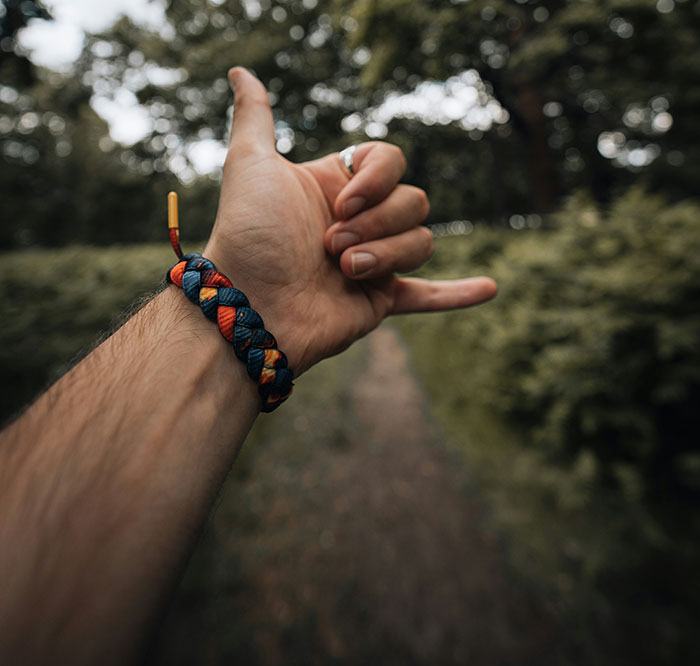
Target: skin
107,479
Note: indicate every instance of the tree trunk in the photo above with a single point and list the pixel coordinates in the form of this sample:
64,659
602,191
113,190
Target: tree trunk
529,103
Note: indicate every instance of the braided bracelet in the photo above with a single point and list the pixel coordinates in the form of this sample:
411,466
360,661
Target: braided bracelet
242,326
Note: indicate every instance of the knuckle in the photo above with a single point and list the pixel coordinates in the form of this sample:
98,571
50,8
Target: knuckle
398,155
429,245
255,102
390,151
242,144
422,201
228,161
377,226
425,203
374,189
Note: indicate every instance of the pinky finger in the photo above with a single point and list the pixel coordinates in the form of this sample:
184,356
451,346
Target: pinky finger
419,295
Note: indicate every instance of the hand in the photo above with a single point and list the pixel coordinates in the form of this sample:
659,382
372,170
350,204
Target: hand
314,250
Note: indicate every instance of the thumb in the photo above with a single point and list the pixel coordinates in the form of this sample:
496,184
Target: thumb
253,129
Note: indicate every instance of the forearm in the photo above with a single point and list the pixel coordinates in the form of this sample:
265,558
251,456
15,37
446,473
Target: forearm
117,463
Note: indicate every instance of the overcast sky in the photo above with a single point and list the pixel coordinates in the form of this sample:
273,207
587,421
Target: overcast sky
57,43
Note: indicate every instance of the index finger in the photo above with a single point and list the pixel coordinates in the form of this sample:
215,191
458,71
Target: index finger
378,168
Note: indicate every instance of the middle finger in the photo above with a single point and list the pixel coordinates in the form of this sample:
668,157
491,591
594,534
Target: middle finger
403,209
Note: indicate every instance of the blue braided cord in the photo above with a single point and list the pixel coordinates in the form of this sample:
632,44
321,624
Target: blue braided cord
250,339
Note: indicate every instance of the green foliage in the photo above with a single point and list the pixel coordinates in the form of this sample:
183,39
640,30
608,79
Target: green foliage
597,349
15,15
55,303
62,180
566,72
593,338
569,74
573,396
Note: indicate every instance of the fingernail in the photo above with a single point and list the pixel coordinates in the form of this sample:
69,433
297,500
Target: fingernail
352,206
362,262
343,240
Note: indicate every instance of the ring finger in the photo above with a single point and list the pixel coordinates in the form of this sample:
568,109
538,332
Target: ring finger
394,254
403,209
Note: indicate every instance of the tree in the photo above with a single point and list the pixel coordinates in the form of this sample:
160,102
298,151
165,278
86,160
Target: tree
561,112
60,182
15,68
598,94
574,117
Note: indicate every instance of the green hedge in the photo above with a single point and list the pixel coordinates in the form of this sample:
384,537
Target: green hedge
596,342
55,303
574,396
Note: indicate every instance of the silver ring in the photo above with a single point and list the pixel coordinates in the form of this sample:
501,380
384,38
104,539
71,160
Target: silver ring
346,156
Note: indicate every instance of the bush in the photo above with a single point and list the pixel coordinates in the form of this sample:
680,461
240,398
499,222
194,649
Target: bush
598,342
55,302
574,396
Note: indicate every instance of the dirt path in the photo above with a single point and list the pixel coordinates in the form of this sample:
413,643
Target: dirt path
369,550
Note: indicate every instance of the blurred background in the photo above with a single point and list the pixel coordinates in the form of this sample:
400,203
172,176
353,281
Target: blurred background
515,484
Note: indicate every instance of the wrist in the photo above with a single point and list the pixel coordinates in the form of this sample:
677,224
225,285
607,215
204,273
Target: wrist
241,325
195,345
273,306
